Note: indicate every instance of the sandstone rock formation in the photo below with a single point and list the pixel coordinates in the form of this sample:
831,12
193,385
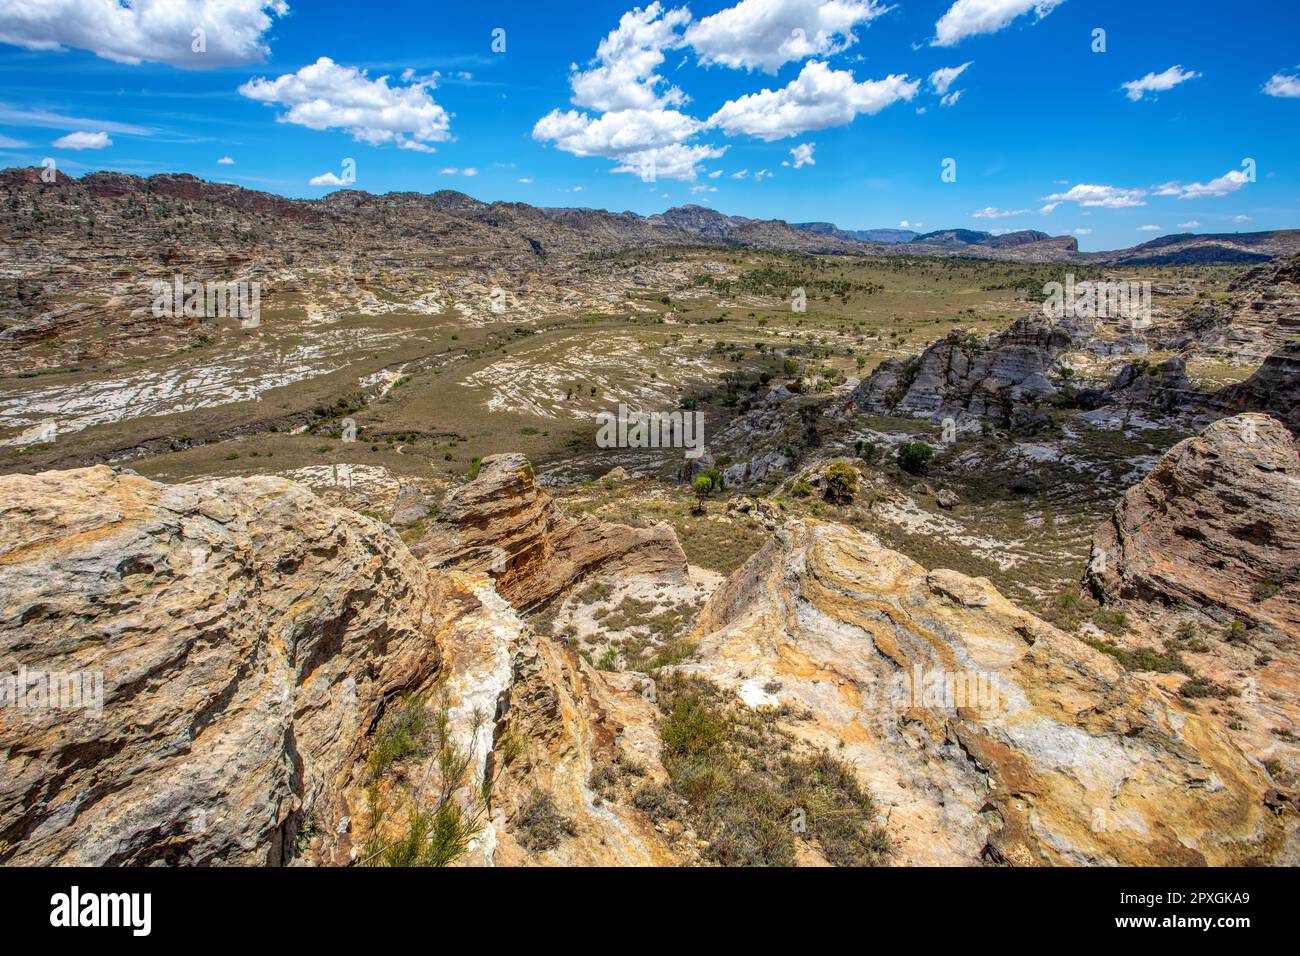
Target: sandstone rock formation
961,374
247,637
1274,388
503,522
1215,526
987,734
248,640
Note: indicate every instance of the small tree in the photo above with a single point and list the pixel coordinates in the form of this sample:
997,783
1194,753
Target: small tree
702,486
841,482
914,456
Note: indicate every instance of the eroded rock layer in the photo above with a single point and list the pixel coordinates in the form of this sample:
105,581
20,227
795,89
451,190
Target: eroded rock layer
987,734
504,523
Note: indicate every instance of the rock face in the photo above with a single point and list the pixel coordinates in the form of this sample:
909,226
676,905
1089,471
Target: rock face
503,522
248,640
247,637
961,374
1213,527
410,505
1273,388
987,734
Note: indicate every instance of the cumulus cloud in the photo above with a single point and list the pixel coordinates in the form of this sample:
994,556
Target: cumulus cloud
943,78
1282,84
623,74
802,155
1083,232
327,179
1148,228
764,34
904,224
225,161
817,98
1110,197
1229,182
83,140
1241,219
325,95
160,31
991,212
1190,224
968,18
1158,82
638,124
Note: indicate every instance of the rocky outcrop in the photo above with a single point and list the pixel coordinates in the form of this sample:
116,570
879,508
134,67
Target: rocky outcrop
985,733
504,523
1215,527
245,638
964,375
238,647
1274,388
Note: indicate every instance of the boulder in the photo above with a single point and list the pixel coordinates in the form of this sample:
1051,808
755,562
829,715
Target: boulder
1215,526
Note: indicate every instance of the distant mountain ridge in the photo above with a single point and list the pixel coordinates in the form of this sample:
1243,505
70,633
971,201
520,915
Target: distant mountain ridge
451,218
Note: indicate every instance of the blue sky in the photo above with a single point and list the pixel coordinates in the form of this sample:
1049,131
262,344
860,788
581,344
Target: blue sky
1042,129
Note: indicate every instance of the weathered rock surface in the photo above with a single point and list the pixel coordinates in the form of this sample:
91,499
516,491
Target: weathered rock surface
503,522
1274,388
1035,749
961,374
247,635
410,505
1215,524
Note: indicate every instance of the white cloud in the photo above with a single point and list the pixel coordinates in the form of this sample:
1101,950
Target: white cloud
762,174
637,124
83,140
802,155
1158,82
1048,208
703,189
1229,182
943,78
950,98
526,181
740,174
991,212
225,161
8,142
1241,219
1083,232
904,224
1191,224
715,174
1110,197
159,31
325,95
623,76
327,179
1280,84
469,171
1148,228
764,34
968,18
817,98
642,140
